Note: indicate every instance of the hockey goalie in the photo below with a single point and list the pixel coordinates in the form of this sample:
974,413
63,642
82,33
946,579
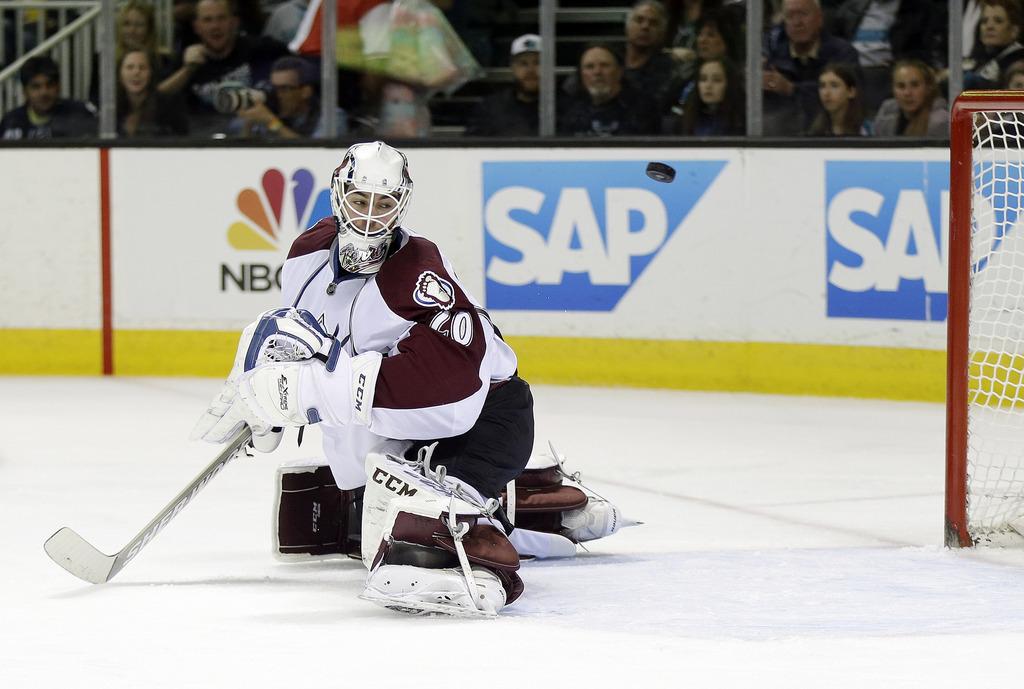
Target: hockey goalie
427,428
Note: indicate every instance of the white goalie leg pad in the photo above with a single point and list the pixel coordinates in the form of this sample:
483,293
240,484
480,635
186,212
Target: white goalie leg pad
314,519
553,511
541,544
388,479
422,591
598,519
431,546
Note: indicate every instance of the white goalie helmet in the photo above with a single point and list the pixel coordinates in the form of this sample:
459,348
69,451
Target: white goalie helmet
370,193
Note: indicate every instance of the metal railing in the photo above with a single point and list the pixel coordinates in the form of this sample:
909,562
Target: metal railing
71,45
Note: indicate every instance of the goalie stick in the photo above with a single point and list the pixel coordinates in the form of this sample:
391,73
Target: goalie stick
76,555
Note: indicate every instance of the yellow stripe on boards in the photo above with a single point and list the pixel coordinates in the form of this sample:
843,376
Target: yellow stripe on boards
174,352
39,352
793,369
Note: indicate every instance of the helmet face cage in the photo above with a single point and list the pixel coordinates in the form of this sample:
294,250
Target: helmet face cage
370,192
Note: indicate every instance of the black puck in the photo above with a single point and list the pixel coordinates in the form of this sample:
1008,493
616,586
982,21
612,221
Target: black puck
660,172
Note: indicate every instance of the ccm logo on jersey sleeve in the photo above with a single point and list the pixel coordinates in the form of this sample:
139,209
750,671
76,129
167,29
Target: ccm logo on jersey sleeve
433,290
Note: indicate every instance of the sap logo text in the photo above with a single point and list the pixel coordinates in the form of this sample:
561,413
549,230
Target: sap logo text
392,483
577,235
545,261
885,247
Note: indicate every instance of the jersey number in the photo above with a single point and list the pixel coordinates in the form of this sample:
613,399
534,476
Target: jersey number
457,325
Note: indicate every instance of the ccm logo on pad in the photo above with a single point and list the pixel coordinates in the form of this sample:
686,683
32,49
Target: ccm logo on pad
392,483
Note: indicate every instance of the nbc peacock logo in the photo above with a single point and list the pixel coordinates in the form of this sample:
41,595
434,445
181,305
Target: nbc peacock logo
279,209
272,216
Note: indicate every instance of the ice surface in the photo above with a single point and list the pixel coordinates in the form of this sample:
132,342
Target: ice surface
789,542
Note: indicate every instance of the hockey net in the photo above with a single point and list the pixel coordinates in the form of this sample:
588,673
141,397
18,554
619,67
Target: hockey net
985,396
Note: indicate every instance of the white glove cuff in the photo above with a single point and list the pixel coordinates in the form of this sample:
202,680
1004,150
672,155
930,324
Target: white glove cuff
343,396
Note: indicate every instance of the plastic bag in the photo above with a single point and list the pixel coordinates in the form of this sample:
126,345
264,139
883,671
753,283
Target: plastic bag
424,49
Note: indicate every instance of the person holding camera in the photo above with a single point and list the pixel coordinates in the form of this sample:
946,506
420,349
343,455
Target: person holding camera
223,56
291,110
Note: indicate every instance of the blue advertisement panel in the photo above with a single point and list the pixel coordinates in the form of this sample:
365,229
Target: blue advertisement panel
885,241
575,236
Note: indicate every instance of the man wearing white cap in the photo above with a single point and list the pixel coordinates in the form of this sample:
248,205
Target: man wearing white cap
513,111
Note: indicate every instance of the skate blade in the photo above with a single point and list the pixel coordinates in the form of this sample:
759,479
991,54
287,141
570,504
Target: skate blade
424,608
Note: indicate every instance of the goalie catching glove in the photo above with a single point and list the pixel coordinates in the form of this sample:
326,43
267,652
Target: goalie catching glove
288,372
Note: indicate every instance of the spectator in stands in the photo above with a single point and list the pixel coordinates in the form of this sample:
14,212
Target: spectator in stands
605,104
648,68
718,36
45,115
715,106
293,109
882,31
513,111
998,47
136,30
222,57
1013,80
796,54
142,111
684,24
842,109
393,109
916,108
284,20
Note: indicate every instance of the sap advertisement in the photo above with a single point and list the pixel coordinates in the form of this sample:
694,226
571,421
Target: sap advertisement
576,236
827,246
887,225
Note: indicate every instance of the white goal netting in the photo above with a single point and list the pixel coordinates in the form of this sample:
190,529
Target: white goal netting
995,417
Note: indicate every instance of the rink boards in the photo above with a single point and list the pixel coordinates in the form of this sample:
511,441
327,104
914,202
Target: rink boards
810,271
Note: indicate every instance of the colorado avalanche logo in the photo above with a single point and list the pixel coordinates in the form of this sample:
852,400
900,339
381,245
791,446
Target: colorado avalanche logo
265,212
433,290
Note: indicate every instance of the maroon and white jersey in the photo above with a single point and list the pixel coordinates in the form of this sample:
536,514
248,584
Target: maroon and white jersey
441,352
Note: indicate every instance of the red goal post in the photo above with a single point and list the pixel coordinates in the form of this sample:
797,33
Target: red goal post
985,325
